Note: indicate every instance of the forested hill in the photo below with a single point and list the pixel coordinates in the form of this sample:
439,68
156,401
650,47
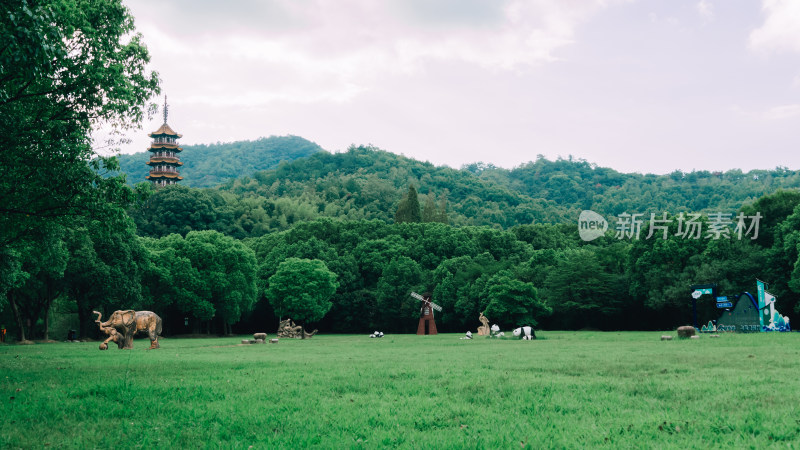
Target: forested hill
580,185
212,164
368,183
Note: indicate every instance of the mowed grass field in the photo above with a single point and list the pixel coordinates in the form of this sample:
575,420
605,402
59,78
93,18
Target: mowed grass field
565,390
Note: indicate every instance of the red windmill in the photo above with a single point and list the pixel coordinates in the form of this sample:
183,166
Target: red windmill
427,324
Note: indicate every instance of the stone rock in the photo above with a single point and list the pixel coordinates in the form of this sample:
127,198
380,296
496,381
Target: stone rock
695,337
245,341
259,341
666,337
262,336
686,331
714,336
273,341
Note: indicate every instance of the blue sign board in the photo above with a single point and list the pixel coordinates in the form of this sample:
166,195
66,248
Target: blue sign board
722,299
724,305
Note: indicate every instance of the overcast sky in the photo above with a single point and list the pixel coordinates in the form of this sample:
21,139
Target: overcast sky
638,86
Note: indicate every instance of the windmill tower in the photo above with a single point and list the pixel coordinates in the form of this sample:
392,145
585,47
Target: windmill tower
427,323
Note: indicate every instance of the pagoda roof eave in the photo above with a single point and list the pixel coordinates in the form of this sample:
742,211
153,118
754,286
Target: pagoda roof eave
176,163
165,176
164,130
155,147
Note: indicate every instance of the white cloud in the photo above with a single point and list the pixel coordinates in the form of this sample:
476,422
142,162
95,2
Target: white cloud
781,28
323,50
782,112
706,9
774,113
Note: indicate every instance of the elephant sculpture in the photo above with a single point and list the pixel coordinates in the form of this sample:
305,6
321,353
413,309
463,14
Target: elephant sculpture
122,326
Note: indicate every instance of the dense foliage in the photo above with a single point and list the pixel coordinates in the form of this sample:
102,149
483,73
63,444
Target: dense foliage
539,274
302,289
339,239
66,66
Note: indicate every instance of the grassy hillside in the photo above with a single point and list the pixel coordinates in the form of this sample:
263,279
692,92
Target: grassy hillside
208,165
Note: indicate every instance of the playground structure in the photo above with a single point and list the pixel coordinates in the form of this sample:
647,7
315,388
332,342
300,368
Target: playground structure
748,315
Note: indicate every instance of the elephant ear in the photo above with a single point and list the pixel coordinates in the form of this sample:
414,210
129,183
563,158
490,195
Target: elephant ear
128,317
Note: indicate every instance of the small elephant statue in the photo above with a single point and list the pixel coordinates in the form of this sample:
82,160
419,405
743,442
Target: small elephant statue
123,325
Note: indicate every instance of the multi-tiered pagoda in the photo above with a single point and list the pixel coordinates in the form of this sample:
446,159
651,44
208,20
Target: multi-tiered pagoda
164,150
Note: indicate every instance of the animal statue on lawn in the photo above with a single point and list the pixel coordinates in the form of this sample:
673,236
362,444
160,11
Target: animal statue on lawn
495,332
483,330
525,333
123,325
288,330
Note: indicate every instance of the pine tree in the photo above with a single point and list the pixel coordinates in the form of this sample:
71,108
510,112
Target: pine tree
408,209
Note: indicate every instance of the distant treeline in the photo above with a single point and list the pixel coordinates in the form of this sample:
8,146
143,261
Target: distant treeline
481,239
367,183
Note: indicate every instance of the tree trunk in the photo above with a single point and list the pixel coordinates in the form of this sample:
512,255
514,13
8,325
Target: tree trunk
83,316
21,332
51,293
47,306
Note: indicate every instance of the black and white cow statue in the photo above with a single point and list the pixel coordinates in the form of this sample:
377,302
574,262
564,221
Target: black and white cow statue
525,333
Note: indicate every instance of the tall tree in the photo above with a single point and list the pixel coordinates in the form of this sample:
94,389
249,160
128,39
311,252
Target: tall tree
104,270
66,66
302,289
408,209
399,278
227,269
42,267
514,302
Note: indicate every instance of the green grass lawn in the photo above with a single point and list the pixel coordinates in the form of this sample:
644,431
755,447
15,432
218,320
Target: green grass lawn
568,389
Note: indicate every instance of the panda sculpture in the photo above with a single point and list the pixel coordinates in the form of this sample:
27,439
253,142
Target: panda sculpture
525,333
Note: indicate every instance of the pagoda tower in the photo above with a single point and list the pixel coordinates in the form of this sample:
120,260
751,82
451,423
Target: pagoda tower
164,150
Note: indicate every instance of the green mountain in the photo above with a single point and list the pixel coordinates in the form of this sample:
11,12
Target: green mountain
369,183
366,183
577,184
208,165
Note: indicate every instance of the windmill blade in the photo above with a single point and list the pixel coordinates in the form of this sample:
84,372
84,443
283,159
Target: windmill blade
422,299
